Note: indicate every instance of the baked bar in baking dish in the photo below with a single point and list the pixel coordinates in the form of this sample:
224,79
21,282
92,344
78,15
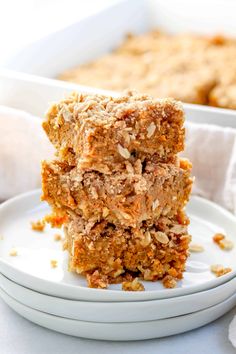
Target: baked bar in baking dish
188,67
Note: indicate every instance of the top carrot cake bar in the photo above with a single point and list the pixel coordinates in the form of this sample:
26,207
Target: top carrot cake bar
96,132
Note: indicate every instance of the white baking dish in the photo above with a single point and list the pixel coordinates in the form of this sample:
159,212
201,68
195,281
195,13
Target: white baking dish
100,33
33,94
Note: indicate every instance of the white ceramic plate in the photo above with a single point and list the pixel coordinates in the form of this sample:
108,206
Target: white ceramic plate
122,331
119,311
32,269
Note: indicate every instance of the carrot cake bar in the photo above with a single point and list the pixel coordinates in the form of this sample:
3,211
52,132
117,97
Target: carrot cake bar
151,251
103,133
125,197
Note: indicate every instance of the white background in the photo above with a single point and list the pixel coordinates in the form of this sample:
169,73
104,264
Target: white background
23,21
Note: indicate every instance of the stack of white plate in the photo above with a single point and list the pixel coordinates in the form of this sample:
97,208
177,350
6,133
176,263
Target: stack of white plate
61,301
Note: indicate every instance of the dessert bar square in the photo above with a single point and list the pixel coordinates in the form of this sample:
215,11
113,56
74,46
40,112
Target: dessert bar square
101,133
128,197
109,254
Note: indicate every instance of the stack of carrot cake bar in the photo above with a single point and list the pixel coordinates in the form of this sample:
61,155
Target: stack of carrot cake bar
119,188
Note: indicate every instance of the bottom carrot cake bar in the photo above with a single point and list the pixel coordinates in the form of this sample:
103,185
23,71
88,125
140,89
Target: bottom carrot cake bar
108,254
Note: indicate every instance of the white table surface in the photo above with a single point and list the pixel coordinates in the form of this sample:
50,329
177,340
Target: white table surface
19,336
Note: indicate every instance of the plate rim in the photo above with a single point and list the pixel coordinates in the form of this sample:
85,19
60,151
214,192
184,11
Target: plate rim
23,294
221,309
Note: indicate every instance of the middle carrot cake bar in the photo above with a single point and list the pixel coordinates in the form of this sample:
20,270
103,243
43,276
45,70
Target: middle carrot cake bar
125,197
119,187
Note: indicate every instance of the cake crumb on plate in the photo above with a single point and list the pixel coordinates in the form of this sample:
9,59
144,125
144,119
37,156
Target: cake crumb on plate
57,237
169,282
38,225
194,247
134,285
219,270
53,263
223,242
13,252
97,280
